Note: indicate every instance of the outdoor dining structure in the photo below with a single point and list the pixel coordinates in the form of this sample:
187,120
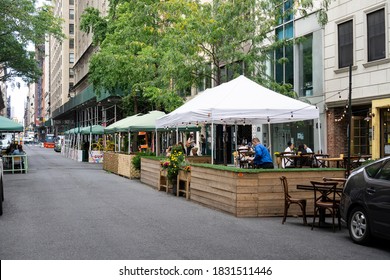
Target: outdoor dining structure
13,163
240,192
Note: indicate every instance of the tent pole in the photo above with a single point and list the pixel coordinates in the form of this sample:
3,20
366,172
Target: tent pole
212,142
157,142
269,139
129,142
235,133
114,142
177,134
319,136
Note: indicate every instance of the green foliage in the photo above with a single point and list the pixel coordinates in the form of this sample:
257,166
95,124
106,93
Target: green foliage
156,50
22,24
175,162
136,160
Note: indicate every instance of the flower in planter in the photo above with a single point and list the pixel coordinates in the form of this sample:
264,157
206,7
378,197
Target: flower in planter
187,168
175,162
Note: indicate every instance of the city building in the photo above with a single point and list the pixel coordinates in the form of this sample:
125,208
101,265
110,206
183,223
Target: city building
357,34
73,101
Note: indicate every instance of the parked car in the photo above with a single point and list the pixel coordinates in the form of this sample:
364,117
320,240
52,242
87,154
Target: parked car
28,139
365,202
5,143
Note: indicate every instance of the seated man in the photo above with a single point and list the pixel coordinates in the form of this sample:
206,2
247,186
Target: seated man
262,157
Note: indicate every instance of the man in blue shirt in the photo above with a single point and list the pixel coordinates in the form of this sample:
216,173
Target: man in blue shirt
262,157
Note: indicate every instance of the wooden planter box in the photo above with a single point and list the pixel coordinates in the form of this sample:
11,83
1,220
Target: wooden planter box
245,194
126,168
150,171
253,194
199,159
110,162
120,164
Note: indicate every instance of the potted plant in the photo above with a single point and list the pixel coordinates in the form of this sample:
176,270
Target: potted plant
175,162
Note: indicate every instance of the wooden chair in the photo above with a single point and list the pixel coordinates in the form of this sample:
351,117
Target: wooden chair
288,200
287,160
325,199
243,157
318,162
17,163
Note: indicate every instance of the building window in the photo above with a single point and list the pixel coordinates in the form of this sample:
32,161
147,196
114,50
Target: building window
206,78
71,57
71,14
360,136
71,2
71,28
71,43
282,59
71,73
230,70
345,42
306,66
376,38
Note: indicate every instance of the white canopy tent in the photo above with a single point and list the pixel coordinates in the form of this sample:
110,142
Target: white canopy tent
240,101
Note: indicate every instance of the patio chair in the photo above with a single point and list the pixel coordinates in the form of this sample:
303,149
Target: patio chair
288,200
318,162
325,199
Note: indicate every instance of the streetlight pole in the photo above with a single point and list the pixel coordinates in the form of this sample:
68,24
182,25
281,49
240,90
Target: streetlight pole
349,121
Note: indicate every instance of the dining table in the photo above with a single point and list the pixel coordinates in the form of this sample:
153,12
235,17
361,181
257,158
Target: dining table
298,160
338,160
323,187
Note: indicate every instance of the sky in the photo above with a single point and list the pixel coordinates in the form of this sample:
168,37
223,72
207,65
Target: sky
19,95
18,98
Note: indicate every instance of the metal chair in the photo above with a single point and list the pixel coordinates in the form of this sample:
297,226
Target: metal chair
288,200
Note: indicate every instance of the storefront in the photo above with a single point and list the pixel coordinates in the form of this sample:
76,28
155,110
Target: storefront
381,128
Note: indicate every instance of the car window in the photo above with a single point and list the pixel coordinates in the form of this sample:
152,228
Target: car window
373,169
384,173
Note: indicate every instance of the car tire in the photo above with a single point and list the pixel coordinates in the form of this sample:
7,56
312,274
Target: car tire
358,226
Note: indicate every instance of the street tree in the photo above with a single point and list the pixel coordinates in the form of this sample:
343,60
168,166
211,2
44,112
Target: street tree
157,51
22,24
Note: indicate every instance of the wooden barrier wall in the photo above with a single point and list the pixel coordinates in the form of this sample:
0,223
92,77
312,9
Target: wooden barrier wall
120,164
245,194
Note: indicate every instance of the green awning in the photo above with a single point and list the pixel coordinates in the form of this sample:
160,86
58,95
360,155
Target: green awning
112,128
7,125
94,129
145,122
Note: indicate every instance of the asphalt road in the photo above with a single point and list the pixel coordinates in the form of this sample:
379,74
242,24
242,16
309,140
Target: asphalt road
62,209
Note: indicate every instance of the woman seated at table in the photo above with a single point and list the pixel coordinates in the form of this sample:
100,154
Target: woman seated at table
262,158
18,151
288,151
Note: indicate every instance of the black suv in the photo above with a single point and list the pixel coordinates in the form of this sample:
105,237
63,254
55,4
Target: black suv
365,202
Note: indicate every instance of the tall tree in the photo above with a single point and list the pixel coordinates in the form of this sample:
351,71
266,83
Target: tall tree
21,24
157,50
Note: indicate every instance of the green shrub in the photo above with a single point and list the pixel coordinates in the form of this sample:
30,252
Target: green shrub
136,161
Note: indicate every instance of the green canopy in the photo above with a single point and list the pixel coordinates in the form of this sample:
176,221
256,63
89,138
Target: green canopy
95,129
121,124
7,125
145,122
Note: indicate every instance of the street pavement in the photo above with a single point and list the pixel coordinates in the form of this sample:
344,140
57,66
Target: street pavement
63,209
